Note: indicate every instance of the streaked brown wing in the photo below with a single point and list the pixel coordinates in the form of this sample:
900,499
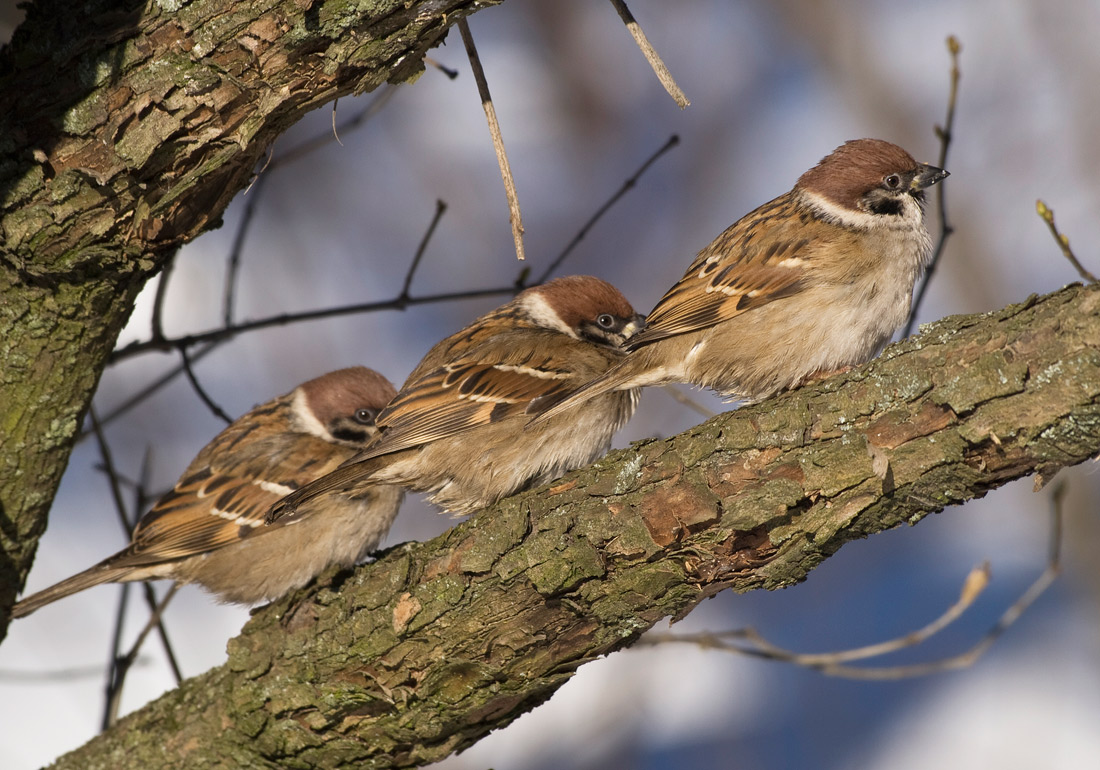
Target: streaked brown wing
463,395
757,260
219,504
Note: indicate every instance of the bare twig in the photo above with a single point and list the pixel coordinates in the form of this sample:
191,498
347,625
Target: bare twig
226,332
440,209
233,262
154,386
123,664
381,99
628,185
112,694
749,642
335,133
944,134
1063,242
60,674
115,677
141,502
650,54
109,468
452,74
680,397
206,399
158,299
514,216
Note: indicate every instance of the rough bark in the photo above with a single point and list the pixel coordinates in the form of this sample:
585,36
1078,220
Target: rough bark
125,130
426,650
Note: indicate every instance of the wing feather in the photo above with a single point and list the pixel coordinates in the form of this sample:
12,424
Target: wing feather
747,266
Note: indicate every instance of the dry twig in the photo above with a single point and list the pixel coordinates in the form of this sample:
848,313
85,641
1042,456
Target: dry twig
628,185
749,642
944,134
659,68
1063,242
514,216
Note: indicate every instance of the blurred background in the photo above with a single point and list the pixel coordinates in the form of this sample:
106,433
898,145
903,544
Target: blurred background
774,87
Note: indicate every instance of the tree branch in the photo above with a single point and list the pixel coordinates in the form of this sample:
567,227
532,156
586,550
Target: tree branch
426,650
126,129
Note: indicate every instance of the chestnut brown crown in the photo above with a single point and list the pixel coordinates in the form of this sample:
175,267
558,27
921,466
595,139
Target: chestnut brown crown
866,174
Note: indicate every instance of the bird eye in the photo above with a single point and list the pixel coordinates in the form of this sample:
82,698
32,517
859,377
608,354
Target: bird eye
892,182
365,416
605,321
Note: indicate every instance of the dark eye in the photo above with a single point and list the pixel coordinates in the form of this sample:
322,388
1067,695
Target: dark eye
605,321
892,182
365,416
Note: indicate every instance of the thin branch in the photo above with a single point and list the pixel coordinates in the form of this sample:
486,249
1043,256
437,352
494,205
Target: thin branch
233,261
60,674
380,100
628,185
111,694
123,664
154,386
223,333
141,502
749,642
450,73
659,68
109,469
206,399
756,645
514,216
680,397
440,208
335,133
1063,241
158,299
944,133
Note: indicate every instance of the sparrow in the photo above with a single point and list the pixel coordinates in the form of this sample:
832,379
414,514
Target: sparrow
813,282
456,428
209,528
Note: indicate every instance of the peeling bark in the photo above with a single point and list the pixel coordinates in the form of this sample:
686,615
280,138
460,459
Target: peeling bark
426,650
125,130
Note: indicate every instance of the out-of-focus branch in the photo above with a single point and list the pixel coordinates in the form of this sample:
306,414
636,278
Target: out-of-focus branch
748,641
515,218
650,53
1062,240
944,133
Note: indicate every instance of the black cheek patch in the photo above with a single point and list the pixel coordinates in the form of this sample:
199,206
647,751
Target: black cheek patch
891,206
350,434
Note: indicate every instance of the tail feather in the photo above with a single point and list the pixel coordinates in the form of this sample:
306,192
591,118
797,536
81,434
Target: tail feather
93,576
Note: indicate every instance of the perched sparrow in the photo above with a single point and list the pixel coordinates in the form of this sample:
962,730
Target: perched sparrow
814,281
456,429
208,529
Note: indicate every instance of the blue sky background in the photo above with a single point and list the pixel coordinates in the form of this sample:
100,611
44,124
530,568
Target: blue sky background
774,87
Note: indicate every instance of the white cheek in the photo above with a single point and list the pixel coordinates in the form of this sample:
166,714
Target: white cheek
304,420
540,311
912,217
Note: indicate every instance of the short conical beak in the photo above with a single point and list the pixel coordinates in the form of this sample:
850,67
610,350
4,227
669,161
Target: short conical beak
636,324
927,177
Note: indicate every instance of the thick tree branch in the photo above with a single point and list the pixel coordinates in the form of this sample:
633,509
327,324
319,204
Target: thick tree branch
125,130
425,651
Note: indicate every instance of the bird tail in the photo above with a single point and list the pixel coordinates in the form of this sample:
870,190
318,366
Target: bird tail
353,473
93,576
